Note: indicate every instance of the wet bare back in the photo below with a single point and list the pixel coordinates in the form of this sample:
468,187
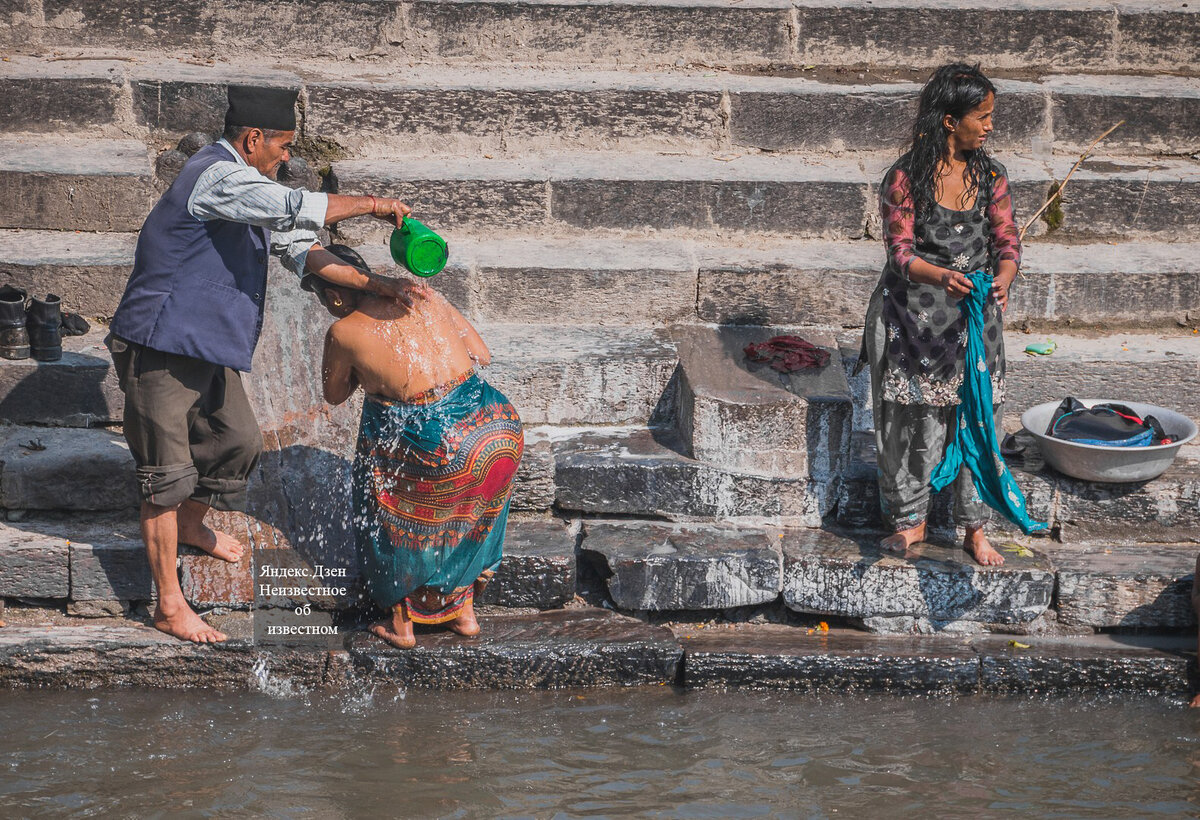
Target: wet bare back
398,352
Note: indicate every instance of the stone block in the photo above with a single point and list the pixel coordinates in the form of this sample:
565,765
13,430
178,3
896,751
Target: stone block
1115,665
79,389
209,582
580,375
445,194
105,655
1165,510
97,609
616,32
58,103
747,417
644,473
538,569
1116,365
33,564
114,24
774,657
575,647
1130,283
808,116
1126,586
1019,35
533,487
829,574
797,283
575,282
1159,113
1148,197
685,567
442,110
110,566
78,185
76,469
1158,36
813,208
17,24
88,271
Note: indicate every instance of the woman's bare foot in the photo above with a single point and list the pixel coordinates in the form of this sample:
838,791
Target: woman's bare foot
465,624
899,542
976,543
178,620
397,630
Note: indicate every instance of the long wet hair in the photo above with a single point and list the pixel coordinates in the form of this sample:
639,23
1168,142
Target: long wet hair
953,89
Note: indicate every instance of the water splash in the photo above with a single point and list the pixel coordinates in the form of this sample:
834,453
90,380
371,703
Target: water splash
274,686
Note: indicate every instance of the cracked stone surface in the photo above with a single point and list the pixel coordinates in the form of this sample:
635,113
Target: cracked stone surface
826,573
673,567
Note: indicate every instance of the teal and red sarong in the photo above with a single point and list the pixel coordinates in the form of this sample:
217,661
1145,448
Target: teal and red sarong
432,480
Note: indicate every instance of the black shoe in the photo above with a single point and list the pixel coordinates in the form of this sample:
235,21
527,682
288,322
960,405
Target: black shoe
44,322
14,339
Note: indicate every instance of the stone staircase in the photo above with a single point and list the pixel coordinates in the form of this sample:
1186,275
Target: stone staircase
632,191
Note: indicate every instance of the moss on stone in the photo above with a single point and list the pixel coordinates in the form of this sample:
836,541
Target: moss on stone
1053,216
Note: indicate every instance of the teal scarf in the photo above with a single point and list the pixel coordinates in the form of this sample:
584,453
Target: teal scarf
974,441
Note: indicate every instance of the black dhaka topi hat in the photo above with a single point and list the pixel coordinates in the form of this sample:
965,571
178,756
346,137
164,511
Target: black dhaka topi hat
259,107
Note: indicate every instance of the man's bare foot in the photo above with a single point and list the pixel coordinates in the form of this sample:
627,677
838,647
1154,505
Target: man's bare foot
976,543
397,630
186,625
899,542
465,624
217,544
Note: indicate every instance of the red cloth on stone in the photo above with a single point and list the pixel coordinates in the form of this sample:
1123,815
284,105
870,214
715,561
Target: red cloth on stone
787,354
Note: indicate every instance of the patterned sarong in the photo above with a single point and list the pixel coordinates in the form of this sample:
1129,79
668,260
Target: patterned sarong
432,480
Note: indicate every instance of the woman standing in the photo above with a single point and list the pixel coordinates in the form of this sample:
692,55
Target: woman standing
946,212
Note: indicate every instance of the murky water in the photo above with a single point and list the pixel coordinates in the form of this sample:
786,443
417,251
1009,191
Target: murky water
591,753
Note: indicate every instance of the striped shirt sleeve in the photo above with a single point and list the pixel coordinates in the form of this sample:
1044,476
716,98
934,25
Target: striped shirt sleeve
239,193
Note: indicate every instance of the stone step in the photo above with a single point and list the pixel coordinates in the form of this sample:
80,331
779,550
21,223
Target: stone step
590,647
60,183
578,647
589,279
457,109
749,418
809,196
1163,510
645,473
63,468
774,657
78,390
1060,35
88,270
1110,585
931,589
97,563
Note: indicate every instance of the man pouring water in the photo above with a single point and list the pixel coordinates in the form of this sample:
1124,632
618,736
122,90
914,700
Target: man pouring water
189,321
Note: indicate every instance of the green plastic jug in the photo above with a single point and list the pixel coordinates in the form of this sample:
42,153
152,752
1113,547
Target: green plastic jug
419,249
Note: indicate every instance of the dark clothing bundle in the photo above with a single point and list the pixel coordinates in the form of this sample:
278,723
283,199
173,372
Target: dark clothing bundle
1108,425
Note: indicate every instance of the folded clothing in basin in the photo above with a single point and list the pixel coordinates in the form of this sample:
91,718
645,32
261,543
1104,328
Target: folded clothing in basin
1107,424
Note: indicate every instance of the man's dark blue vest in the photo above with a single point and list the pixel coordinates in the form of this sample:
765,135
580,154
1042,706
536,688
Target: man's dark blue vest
197,288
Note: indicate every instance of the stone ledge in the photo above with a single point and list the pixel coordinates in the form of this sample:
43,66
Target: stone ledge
781,657
686,567
829,574
1125,585
538,569
597,648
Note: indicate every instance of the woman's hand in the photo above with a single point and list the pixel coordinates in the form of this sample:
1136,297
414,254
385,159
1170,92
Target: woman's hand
955,283
1002,283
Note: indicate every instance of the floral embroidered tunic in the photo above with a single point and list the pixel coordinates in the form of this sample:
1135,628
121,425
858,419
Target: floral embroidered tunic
925,329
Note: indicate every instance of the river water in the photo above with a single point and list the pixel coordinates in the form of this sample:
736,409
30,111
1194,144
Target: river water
591,753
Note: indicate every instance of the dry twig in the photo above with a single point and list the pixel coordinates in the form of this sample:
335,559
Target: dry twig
1066,179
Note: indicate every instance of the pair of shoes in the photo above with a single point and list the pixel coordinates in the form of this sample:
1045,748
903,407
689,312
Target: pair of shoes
36,329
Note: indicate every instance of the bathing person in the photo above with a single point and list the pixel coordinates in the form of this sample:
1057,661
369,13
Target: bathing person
189,321
437,451
946,213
